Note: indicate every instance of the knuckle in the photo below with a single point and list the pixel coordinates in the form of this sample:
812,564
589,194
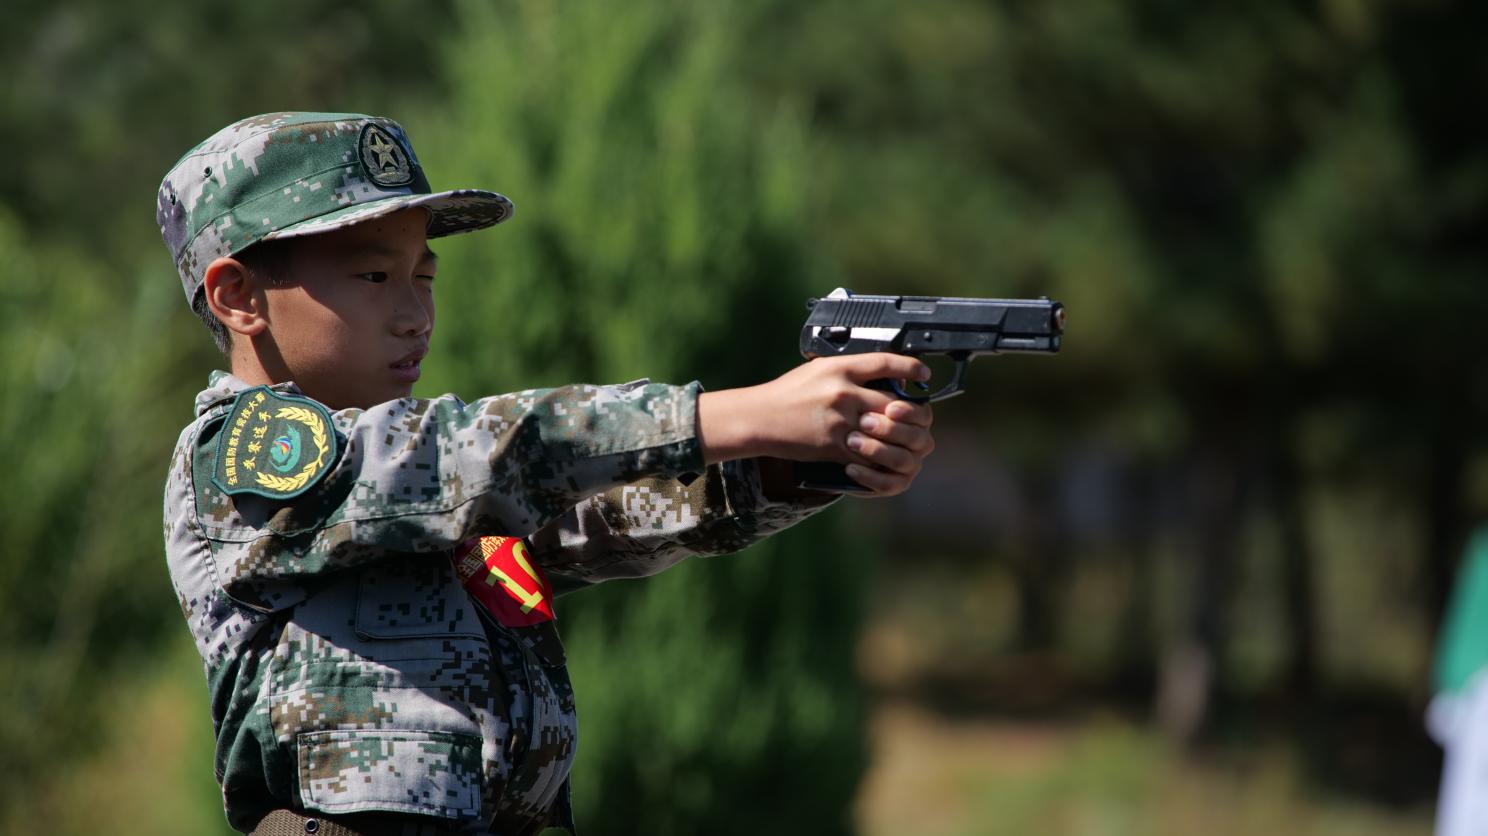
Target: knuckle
841,392
836,423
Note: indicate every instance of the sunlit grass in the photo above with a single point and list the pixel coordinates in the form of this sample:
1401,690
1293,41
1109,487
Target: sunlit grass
1097,776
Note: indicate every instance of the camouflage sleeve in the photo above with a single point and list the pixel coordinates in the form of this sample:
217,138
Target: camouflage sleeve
420,476
642,528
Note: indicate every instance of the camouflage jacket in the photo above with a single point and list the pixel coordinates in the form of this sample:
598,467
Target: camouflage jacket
348,668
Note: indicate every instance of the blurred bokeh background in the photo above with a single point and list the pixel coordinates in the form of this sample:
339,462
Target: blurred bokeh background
1184,577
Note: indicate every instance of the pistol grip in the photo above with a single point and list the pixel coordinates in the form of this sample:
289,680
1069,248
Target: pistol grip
826,476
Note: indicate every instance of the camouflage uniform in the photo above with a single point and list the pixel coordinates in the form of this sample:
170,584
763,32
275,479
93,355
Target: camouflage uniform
349,667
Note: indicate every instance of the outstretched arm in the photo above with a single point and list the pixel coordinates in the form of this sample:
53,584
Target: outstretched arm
749,437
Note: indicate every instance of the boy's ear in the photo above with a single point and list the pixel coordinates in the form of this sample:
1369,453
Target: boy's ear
234,294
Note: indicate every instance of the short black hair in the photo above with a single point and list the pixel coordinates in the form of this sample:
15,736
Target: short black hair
214,325
265,260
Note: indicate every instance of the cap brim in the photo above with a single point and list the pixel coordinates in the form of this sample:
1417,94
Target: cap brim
461,210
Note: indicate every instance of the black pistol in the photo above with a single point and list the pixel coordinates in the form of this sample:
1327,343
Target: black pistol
920,326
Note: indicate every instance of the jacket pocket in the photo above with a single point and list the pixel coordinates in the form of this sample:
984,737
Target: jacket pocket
425,773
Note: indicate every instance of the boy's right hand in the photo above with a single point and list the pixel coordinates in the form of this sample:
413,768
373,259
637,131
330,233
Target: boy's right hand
822,411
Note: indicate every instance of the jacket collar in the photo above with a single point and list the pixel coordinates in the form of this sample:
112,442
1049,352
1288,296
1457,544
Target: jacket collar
222,387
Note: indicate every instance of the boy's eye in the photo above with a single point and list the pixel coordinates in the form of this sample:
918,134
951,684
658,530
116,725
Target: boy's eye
376,278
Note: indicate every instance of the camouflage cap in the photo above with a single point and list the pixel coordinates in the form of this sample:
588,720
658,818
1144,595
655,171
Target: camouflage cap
281,175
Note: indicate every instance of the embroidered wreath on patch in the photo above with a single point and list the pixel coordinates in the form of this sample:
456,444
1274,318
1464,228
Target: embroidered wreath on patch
311,419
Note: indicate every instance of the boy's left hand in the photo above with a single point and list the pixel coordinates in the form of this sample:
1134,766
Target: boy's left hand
895,444
823,410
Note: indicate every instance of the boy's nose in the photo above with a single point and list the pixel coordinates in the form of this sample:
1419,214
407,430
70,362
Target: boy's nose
414,313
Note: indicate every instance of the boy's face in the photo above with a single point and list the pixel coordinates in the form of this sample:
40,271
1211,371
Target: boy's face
351,319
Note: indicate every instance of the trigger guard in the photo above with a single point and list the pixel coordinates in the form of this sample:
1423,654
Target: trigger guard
950,390
905,396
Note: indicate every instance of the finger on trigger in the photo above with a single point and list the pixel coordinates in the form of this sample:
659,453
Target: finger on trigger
886,365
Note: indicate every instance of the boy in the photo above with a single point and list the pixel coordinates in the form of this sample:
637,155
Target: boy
378,637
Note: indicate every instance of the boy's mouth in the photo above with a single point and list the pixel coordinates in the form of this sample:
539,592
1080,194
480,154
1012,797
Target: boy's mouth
406,368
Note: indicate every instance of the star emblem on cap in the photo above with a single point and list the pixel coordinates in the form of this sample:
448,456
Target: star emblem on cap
385,160
383,152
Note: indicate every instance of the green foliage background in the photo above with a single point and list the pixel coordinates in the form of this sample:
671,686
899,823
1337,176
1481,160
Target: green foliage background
1266,221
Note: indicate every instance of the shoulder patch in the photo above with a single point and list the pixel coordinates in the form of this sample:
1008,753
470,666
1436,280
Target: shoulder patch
276,446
